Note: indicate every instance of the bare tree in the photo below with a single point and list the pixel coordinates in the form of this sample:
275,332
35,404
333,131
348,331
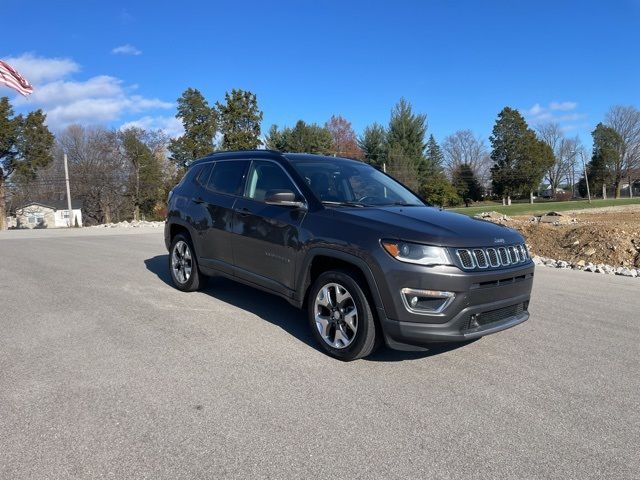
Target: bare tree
464,148
98,171
625,120
565,151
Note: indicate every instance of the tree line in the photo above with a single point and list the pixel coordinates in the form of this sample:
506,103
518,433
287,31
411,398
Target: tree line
123,174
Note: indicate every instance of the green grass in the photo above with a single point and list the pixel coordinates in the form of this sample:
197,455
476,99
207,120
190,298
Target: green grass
543,207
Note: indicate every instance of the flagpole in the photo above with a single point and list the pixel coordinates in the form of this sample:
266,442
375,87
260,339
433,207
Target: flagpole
66,179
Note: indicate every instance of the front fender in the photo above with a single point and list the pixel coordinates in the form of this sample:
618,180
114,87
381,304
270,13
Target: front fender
303,281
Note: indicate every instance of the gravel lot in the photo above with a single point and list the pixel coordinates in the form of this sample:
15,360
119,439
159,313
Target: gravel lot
108,372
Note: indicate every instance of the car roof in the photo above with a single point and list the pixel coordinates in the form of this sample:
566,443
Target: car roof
268,154
310,157
239,154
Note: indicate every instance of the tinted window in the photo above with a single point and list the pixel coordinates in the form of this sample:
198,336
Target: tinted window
204,173
227,177
265,177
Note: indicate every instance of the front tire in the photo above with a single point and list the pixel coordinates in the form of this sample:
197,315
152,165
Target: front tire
183,264
340,316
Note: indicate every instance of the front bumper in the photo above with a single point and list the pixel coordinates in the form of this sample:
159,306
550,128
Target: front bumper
400,335
485,303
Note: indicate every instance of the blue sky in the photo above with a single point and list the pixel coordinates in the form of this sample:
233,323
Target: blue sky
458,62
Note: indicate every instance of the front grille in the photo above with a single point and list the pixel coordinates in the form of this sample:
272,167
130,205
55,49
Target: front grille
497,315
466,258
502,281
480,258
494,261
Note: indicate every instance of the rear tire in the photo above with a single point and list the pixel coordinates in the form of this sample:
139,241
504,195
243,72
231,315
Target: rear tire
183,264
340,316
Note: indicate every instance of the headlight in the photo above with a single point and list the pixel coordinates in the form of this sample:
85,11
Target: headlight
416,253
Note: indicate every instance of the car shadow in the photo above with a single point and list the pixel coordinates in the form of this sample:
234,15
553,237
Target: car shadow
280,313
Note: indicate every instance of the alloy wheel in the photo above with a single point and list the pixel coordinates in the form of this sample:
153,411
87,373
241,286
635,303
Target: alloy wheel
336,315
181,262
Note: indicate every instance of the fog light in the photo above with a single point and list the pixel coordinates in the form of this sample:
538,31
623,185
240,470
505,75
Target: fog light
473,321
426,302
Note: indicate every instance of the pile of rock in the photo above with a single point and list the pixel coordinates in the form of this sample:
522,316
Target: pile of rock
587,266
554,218
493,216
132,224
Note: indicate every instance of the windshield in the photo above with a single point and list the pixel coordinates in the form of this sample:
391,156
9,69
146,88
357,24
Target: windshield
344,182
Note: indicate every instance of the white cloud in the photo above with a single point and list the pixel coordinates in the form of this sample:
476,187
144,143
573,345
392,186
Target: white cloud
536,109
98,100
557,112
126,50
38,69
563,106
169,125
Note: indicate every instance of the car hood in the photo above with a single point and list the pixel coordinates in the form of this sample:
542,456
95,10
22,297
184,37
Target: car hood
432,225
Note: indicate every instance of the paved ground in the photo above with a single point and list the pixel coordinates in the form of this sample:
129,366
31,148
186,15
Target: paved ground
108,372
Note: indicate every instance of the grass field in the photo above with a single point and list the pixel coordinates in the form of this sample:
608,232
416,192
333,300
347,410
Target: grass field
528,209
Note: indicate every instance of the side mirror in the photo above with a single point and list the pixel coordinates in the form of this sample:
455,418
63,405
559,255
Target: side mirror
284,198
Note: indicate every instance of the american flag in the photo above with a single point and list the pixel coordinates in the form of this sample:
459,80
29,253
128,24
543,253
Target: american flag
12,79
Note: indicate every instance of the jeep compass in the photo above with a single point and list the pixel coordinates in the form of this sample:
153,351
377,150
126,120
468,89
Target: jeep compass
367,258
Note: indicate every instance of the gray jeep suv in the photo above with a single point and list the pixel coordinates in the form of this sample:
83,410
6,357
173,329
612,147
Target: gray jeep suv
367,258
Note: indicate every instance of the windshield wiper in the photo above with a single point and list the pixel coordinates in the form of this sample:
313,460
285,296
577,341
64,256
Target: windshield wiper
344,204
403,204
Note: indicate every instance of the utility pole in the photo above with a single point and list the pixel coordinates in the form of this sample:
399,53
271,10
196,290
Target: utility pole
66,179
586,179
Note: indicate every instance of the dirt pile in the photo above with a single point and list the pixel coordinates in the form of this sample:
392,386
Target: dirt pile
600,236
594,243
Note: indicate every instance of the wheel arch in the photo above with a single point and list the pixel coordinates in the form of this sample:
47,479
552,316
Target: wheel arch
179,226
319,260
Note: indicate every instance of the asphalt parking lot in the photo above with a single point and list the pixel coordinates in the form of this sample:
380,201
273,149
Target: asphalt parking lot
106,371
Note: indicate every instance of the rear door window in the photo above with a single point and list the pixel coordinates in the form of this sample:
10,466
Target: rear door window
228,177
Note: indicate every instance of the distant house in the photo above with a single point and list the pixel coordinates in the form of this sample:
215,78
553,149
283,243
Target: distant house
545,191
48,214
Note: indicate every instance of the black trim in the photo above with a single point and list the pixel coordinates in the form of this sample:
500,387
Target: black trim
304,278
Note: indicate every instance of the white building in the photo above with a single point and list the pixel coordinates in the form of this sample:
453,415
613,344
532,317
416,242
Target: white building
48,214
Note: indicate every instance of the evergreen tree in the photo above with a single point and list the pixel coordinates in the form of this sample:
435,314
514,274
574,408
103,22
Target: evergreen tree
8,136
303,138
200,125
34,145
434,156
520,159
466,184
275,139
539,160
405,143
606,156
403,168
373,144
435,187
141,150
439,191
25,147
240,120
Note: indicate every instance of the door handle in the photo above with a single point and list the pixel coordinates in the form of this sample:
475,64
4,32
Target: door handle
197,200
244,212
